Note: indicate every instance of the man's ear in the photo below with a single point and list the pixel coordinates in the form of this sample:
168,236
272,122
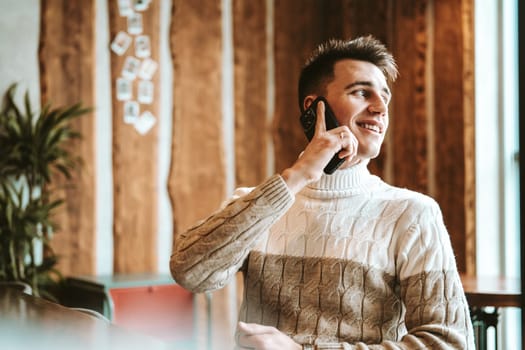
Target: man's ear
308,101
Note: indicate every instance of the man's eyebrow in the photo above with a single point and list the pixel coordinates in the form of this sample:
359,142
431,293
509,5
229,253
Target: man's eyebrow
366,83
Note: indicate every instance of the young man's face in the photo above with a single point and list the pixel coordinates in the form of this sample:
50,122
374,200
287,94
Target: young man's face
359,97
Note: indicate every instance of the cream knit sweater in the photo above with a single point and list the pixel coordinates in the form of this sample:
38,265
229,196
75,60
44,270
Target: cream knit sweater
349,263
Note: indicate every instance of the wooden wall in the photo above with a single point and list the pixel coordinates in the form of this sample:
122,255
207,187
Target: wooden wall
135,189
429,148
67,70
252,110
430,145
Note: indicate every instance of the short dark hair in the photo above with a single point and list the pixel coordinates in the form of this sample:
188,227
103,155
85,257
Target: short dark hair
318,70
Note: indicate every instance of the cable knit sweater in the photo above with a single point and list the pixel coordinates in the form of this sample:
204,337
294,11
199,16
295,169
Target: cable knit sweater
349,263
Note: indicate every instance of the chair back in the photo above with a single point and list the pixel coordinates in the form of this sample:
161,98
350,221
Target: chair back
18,285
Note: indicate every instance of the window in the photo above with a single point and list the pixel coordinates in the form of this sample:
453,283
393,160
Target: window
497,147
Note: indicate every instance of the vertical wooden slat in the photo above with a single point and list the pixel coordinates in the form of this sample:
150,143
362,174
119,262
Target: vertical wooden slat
453,110
197,180
298,29
406,158
197,174
363,17
251,87
313,22
67,74
359,18
134,160
469,116
409,119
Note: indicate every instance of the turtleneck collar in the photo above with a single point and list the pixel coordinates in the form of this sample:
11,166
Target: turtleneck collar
343,182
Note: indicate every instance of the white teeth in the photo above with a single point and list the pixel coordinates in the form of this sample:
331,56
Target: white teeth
371,127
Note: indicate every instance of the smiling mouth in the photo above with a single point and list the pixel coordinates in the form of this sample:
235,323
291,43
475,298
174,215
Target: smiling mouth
371,127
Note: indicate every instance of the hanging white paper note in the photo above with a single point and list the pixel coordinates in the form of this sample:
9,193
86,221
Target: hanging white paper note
135,23
145,122
131,112
121,43
142,46
124,89
141,5
145,92
125,8
147,69
131,68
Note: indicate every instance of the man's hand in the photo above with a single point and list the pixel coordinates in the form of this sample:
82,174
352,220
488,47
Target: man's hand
325,143
258,337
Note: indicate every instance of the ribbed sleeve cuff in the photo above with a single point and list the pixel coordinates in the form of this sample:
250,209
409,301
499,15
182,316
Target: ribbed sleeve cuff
275,193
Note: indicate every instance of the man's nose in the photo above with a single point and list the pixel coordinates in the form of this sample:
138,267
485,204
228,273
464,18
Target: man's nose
378,105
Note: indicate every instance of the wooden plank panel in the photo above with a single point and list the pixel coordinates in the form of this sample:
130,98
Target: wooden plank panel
453,86
197,180
467,25
409,120
197,174
362,17
251,91
298,29
134,159
67,70
314,22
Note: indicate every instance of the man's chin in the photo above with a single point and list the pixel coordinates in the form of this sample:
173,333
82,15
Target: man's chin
350,163
368,153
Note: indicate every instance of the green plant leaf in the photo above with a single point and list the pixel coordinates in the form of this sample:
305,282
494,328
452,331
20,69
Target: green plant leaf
33,145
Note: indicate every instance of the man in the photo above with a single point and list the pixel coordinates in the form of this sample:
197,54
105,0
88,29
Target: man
341,261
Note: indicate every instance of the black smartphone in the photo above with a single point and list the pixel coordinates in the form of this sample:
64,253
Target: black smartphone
308,119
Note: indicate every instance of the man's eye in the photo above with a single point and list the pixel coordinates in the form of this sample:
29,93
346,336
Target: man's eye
360,92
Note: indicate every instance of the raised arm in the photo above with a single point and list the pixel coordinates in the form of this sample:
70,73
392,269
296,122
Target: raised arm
209,254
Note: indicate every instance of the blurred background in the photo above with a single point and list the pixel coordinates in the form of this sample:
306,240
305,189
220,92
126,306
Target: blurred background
219,110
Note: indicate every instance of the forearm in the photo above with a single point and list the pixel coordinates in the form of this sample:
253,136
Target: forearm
424,337
207,256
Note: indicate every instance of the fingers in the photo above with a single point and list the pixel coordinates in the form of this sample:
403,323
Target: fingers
254,329
349,144
253,335
320,124
258,337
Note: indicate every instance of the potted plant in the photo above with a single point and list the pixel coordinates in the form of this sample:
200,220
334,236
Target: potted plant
32,154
